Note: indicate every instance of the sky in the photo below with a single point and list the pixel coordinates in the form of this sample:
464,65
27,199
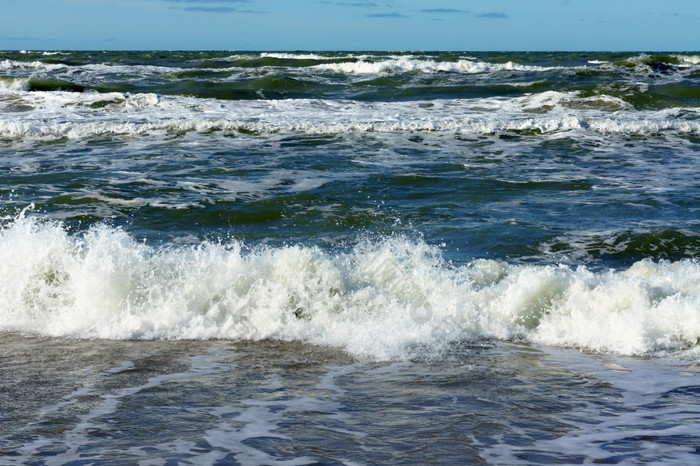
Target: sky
284,25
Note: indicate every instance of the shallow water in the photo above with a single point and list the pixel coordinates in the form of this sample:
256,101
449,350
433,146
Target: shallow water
268,402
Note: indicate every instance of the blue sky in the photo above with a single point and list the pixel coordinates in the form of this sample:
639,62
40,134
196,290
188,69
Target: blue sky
470,25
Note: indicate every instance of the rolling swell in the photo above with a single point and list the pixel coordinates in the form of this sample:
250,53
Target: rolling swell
35,84
208,85
50,85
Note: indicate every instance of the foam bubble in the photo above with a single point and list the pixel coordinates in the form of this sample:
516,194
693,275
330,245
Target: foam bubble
387,299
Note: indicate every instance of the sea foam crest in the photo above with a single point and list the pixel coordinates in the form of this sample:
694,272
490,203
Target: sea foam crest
688,59
13,84
36,65
401,64
390,298
73,115
296,56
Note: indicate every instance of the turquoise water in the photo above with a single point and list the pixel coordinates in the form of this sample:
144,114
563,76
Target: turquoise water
398,219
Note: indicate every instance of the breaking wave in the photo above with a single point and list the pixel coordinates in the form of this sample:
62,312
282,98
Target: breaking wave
389,298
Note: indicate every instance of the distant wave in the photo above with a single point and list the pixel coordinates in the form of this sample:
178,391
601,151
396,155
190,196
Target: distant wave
407,64
35,65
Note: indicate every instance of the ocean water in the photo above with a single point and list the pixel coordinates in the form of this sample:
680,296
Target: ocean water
349,258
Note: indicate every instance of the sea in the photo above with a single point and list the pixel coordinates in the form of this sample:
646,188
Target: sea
345,258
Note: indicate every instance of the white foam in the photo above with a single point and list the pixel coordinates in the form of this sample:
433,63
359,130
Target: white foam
139,70
688,59
296,56
388,299
77,116
404,64
36,65
14,84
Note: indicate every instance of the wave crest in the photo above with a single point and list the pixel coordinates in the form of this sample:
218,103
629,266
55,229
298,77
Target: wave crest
407,64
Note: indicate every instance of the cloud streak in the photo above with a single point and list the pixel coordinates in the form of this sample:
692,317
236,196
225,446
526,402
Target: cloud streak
352,4
449,11
456,11
492,15
211,6
208,1
211,9
386,15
